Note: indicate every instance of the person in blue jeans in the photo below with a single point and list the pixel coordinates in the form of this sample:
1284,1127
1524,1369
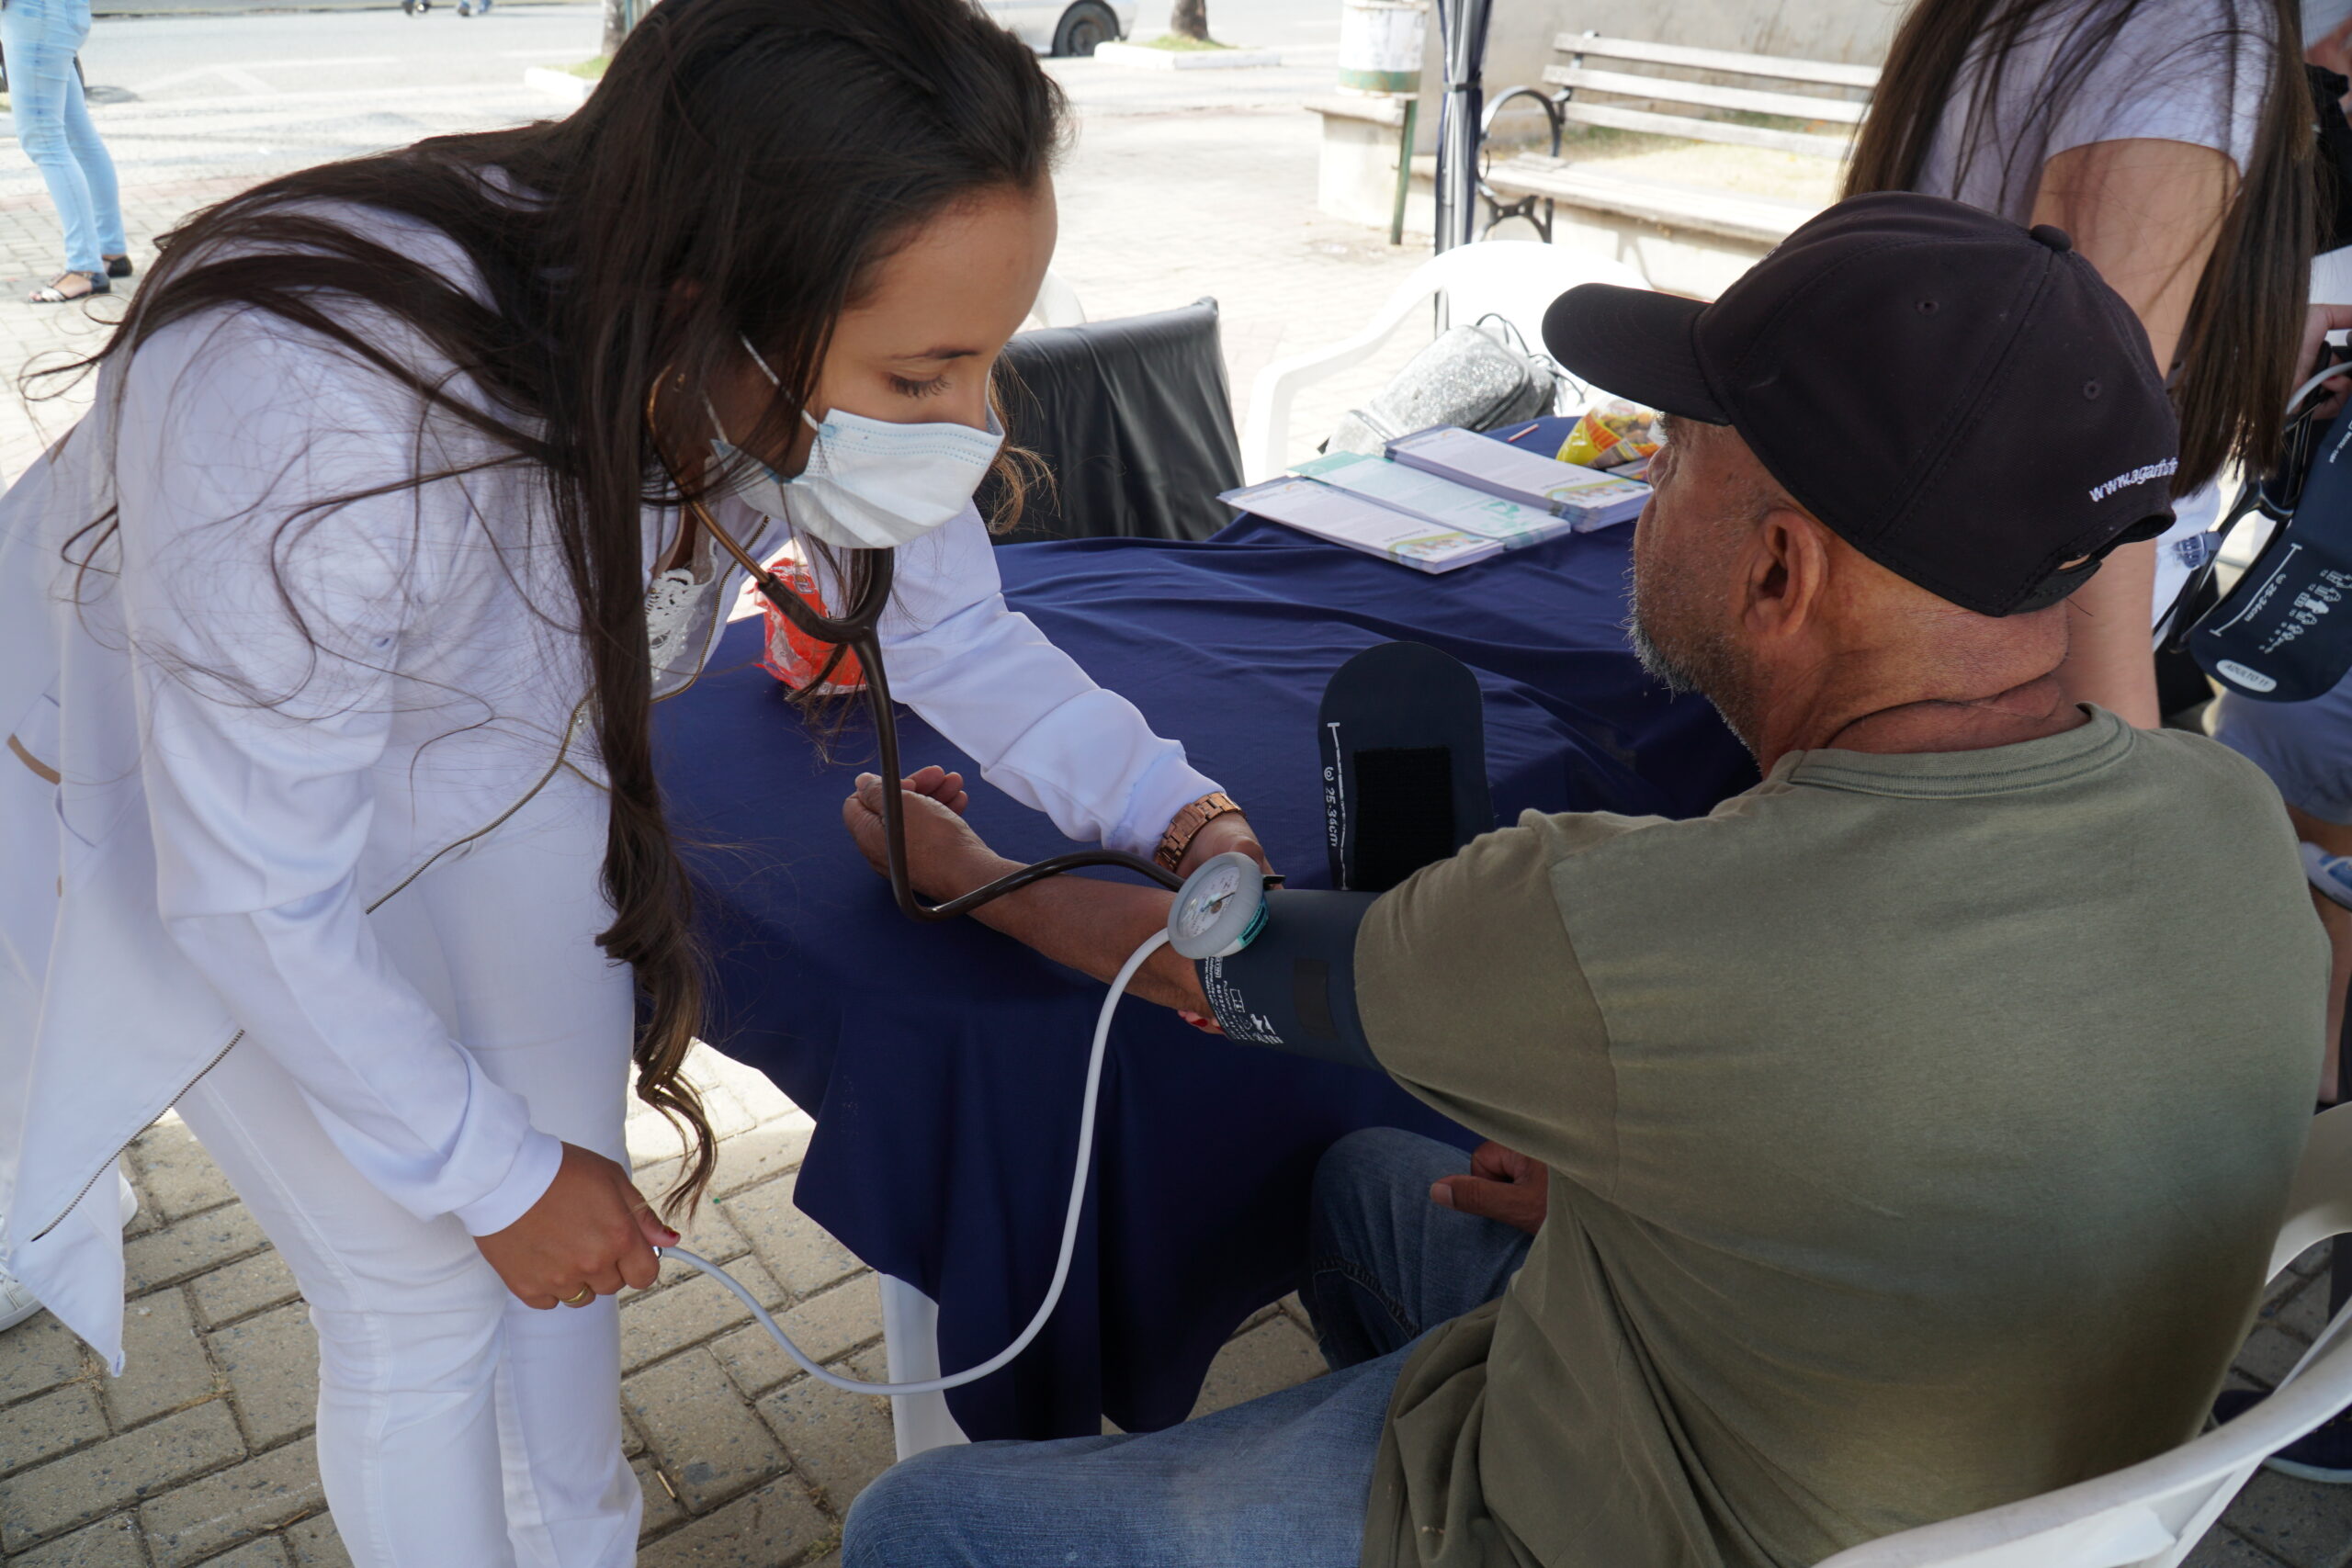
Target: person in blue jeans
54,127
1400,1240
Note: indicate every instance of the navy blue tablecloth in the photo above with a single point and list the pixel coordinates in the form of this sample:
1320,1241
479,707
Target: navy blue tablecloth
943,1063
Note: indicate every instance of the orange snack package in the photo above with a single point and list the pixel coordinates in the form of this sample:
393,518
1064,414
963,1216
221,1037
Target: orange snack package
794,657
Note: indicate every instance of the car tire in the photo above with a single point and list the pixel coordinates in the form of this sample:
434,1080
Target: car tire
1082,27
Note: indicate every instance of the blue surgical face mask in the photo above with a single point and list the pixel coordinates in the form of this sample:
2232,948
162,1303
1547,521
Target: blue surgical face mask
869,484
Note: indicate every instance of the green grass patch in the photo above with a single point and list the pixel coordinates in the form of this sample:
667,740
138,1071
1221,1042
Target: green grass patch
591,69
1177,43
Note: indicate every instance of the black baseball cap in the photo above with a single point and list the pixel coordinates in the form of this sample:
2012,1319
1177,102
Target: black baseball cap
1963,401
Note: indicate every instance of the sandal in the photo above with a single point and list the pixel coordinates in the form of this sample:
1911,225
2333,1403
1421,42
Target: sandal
117,266
52,293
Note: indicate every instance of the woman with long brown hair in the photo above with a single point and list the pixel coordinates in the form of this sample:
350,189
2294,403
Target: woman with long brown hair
2172,140
328,642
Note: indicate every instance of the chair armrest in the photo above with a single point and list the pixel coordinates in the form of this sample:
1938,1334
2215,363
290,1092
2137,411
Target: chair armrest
1265,440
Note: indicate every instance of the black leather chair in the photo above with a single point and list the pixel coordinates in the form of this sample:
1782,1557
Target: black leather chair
1132,419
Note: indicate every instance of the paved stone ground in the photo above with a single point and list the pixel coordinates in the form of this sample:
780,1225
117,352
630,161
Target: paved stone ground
202,1452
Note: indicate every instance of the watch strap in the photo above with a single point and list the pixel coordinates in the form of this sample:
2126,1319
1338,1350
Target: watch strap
1188,822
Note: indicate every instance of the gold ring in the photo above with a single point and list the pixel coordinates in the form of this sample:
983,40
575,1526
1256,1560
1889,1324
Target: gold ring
583,1299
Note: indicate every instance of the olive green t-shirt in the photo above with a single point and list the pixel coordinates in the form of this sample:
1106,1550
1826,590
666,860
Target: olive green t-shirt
1919,1128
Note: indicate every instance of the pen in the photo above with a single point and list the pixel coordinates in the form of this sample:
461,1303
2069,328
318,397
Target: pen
1528,431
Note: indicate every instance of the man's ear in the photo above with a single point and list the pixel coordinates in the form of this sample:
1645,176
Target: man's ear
1786,573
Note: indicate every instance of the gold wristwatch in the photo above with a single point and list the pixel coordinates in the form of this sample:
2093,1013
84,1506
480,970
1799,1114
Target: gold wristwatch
1187,824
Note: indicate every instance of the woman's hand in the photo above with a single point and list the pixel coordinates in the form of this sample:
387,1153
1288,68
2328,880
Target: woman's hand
592,1227
1217,835
2318,322
944,857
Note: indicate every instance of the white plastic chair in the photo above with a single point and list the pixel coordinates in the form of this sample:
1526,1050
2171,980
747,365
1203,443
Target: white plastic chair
1057,304
2153,1515
1514,279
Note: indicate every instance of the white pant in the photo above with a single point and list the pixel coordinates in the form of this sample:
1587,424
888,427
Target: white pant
459,1429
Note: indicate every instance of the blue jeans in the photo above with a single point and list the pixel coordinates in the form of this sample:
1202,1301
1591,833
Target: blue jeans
41,37
1278,1483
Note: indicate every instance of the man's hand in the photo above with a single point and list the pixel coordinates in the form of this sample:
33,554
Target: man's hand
944,857
1219,834
1089,925
1503,1184
590,1228
941,786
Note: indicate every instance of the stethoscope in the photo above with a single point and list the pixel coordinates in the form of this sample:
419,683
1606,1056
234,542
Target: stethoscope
858,631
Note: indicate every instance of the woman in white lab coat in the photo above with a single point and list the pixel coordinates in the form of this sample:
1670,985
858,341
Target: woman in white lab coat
327,645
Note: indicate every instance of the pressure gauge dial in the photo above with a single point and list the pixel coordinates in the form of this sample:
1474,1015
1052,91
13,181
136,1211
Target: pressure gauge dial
1220,908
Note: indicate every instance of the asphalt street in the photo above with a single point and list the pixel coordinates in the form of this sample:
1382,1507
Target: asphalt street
160,59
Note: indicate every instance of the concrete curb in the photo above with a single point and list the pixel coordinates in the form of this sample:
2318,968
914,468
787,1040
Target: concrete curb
1137,56
561,85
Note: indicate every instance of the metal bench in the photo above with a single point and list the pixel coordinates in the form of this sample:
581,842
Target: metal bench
1632,85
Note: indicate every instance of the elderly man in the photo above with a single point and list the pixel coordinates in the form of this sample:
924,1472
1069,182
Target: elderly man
1911,1130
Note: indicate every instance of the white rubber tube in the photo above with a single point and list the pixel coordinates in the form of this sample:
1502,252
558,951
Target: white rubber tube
1069,1226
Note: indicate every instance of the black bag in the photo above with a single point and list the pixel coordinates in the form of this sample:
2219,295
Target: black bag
2283,633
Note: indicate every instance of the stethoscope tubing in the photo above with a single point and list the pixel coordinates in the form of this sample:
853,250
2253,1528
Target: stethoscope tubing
1084,1166
859,632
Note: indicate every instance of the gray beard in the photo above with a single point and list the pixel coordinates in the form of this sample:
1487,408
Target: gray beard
1661,669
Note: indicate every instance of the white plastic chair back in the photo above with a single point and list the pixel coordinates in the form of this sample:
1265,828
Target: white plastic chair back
1057,304
2153,1515
1514,279
1517,280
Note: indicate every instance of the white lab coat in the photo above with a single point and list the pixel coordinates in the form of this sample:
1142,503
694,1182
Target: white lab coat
199,809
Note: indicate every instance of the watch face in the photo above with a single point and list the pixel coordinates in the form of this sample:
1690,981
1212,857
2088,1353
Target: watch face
1216,888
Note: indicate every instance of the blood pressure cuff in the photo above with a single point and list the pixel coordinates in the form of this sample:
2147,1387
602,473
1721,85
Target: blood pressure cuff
1294,987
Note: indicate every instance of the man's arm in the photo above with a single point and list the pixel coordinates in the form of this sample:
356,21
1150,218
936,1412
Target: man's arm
1091,925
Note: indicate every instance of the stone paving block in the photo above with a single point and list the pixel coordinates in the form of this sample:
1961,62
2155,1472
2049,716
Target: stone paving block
163,1365
709,1445
707,1231
2270,1354
794,1247
2304,1314
655,1324
753,1087
45,1427
271,1364
775,1525
768,1150
189,1247
839,1441
174,1175
2301,1523
65,1493
109,1543
2314,1259
825,1325
267,1552
662,1509
204,1516
1274,1355
652,1140
727,1115
315,1543
2221,1549
241,1290
39,1354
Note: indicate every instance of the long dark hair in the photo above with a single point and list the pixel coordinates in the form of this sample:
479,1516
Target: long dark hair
738,171
2236,360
